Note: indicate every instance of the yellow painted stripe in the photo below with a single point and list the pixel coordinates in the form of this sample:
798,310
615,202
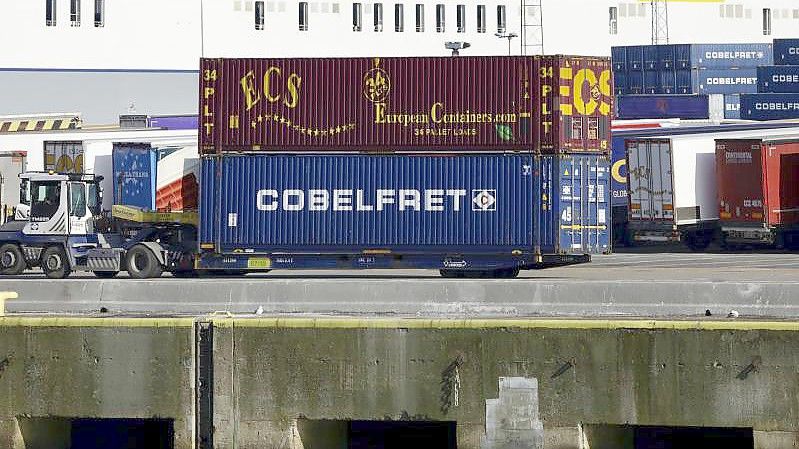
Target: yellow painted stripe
65,124
14,126
565,73
565,91
566,109
46,321
31,125
411,323
48,124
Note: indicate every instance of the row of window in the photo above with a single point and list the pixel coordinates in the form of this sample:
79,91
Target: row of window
399,17
74,13
614,20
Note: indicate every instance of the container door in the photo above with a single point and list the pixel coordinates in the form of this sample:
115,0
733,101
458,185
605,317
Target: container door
650,179
739,173
584,204
782,189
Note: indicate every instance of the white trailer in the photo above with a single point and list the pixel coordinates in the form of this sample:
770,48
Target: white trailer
672,182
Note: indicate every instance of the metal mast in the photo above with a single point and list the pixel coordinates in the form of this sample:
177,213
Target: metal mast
532,40
660,21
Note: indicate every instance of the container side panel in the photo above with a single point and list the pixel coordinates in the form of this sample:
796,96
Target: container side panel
769,106
786,51
619,172
778,79
724,81
662,106
208,193
739,175
732,107
338,204
135,172
781,161
726,56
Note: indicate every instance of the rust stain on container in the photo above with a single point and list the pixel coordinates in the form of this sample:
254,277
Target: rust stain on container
541,104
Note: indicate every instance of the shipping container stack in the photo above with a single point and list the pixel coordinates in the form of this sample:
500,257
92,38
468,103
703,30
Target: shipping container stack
402,161
777,96
686,81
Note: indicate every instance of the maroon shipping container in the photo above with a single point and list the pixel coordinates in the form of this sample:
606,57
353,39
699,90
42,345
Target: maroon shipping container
547,104
758,187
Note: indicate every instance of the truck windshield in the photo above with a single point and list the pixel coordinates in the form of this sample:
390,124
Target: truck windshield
45,199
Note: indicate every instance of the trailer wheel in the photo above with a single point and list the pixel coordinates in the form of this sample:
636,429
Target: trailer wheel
55,263
697,241
142,263
105,274
12,262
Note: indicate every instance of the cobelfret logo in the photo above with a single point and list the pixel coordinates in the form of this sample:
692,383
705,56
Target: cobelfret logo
734,55
378,200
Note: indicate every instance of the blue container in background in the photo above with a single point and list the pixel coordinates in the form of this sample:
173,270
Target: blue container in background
134,167
620,82
618,172
769,106
666,57
635,82
778,79
786,51
685,81
651,57
729,81
635,57
668,82
631,107
618,57
345,204
573,216
732,106
173,121
651,82
682,56
726,56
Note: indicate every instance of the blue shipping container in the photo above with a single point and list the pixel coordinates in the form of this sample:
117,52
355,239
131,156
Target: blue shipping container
778,79
134,167
732,107
682,56
620,82
786,51
630,107
726,56
635,82
666,57
651,57
618,172
668,82
486,204
618,57
173,121
736,81
651,82
769,106
635,57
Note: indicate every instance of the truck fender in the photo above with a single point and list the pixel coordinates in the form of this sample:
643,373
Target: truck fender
157,249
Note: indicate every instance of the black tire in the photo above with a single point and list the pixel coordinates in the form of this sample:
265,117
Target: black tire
54,262
697,241
12,261
105,274
184,274
142,263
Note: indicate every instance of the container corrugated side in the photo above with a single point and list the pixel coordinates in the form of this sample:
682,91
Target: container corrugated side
618,57
726,56
353,203
635,57
786,51
732,107
724,81
575,204
769,106
778,79
651,82
134,168
631,107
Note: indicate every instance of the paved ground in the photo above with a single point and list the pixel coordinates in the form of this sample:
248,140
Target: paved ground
643,283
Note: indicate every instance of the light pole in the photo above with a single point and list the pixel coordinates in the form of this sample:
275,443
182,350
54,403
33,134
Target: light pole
456,47
507,36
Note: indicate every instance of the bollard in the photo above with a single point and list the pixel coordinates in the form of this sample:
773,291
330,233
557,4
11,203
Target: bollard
3,297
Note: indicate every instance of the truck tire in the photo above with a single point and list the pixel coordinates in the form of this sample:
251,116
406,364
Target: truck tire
55,263
142,263
12,261
697,241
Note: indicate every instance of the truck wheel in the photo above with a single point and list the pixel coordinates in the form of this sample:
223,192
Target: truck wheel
106,274
142,263
12,262
55,263
697,241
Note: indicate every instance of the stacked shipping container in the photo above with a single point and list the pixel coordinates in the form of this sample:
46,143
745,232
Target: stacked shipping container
498,158
679,73
777,87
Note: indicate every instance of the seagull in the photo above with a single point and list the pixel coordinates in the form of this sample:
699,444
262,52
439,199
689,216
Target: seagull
733,314
259,310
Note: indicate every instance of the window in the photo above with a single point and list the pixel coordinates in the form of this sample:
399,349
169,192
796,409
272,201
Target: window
767,21
74,13
378,17
45,199
440,18
481,18
399,18
77,199
259,15
419,18
94,201
50,13
357,17
63,157
614,20
99,13
460,16
502,21
303,16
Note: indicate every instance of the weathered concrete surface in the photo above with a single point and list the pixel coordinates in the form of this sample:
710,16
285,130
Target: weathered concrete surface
272,373
89,368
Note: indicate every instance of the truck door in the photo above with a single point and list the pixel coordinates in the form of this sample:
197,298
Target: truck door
48,212
80,214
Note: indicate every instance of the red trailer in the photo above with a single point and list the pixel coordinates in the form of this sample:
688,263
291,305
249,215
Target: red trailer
758,191
542,104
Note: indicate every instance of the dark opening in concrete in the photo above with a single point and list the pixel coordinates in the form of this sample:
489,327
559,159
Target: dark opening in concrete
602,436
332,434
96,433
